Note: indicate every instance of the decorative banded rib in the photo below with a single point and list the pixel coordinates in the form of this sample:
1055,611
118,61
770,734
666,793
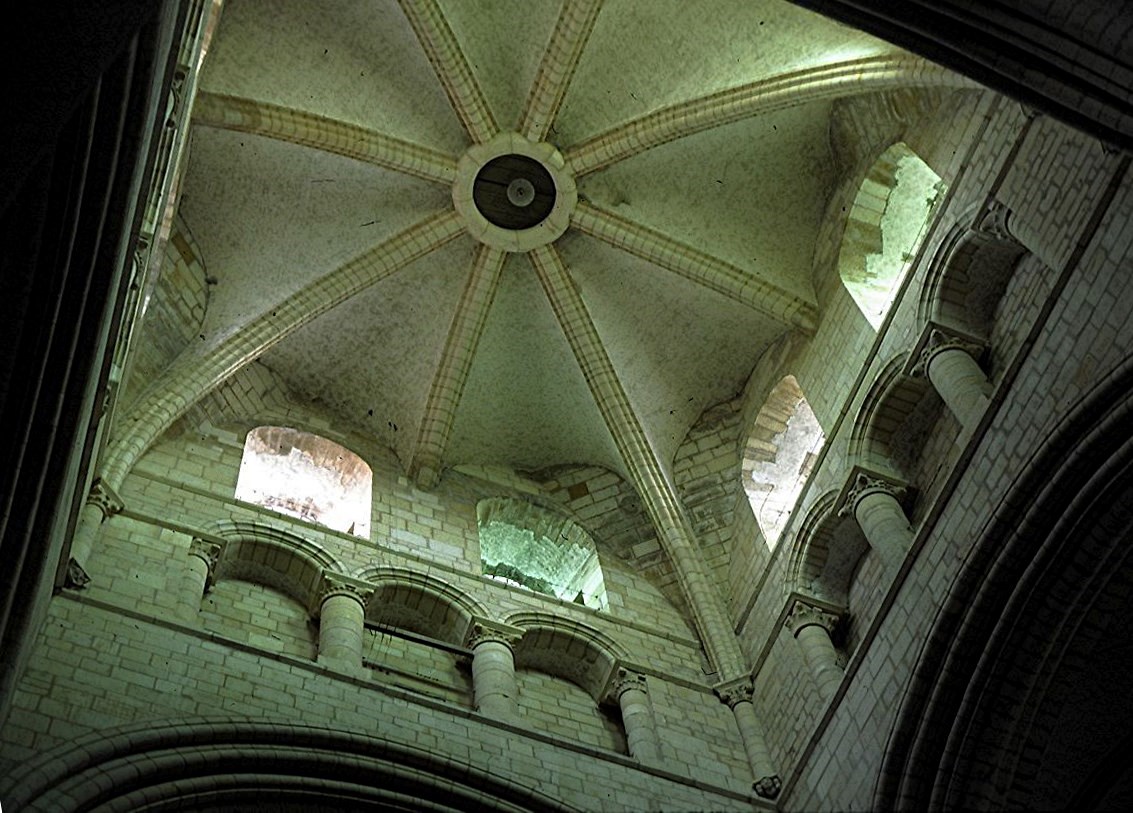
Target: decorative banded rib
452,370
451,66
645,469
693,264
320,133
868,75
193,375
572,30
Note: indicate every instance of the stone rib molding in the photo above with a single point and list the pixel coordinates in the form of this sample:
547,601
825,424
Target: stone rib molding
451,66
868,75
456,360
648,476
328,135
192,375
572,30
695,266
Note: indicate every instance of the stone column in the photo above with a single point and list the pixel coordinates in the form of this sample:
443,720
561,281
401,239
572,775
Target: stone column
102,503
737,695
875,503
630,690
949,361
197,578
493,668
342,621
811,625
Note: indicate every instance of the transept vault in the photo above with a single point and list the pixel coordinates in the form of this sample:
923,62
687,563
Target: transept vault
581,405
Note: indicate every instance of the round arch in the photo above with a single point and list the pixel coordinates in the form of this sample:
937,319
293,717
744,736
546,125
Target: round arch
239,764
989,712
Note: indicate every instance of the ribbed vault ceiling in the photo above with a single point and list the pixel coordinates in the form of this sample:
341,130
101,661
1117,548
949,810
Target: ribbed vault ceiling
328,130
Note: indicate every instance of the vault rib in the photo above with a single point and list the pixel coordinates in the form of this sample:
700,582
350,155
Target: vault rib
193,375
451,66
658,494
696,266
869,75
452,370
318,132
572,30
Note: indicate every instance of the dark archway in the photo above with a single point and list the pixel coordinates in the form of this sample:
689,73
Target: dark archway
1025,686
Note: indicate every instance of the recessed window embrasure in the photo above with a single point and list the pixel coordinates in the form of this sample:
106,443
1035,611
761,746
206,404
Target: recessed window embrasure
306,476
526,545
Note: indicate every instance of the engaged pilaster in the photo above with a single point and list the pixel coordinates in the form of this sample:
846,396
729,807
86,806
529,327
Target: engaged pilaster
197,578
812,626
493,668
875,502
102,503
736,694
631,692
342,621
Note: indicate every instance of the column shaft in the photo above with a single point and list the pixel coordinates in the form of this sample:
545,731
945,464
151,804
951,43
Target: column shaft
86,532
885,526
755,746
341,627
641,732
493,680
961,384
194,579
821,657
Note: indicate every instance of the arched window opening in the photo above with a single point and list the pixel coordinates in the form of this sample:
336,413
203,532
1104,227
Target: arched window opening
779,457
306,476
886,225
526,545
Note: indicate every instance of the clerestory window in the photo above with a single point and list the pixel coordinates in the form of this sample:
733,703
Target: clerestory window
885,228
779,456
526,545
306,476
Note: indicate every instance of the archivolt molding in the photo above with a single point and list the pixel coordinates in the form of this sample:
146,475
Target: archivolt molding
969,271
887,404
260,553
827,550
189,764
568,649
420,602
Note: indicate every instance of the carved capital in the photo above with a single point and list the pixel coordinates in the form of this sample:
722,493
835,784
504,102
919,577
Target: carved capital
484,630
210,553
334,584
864,483
805,614
768,787
103,496
735,691
624,680
936,339
994,221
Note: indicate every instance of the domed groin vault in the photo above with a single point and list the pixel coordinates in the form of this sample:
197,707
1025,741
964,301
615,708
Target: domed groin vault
572,406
